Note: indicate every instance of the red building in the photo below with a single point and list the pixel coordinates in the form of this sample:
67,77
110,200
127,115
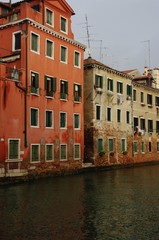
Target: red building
41,88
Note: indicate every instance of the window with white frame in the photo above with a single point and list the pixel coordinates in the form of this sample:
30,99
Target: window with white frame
127,117
149,99
150,147
98,81
100,145
141,97
34,117
13,149
134,95
109,114
34,83
63,89
123,145
77,152
120,87
49,119
35,42
50,86
98,112
16,41
63,25
35,153
49,17
77,58
142,124
110,84
110,145
135,147
118,115
150,125
129,91
49,152
63,152
63,54
63,120
142,147
49,48
77,121
77,92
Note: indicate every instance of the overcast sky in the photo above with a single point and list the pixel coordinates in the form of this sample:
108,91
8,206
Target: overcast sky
129,30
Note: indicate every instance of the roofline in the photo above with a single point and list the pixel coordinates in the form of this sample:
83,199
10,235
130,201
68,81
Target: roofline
48,30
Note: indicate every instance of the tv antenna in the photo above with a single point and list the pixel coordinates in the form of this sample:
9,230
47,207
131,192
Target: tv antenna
149,51
88,37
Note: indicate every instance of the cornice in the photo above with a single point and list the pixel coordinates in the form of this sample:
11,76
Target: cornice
45,29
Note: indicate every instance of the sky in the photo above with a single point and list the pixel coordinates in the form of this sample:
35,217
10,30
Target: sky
127,30
123,34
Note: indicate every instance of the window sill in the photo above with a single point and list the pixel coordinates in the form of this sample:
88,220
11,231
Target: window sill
14,160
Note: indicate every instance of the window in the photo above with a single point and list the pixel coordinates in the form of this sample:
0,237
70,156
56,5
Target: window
77,92
63,24
157,146
98,81
149,99
109,114
110,84
150,125
63,152
123,145
76,121
35,153
134,95
63,89
34,115
110,145
77,59
135,147
3,10
142,147
14,149
127,117
120,87
100,145
48,119
63,56
77,154
34,83
129,91
50,86
49,17
35,42
142,124
157,126
150,147
63,120
118,115
49,49
157,101
36,7
16,41
49,149
142,97
98,112
136,123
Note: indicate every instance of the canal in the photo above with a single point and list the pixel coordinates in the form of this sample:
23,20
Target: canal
112,205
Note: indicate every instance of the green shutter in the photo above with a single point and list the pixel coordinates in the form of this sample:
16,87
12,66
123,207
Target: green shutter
111,146
36,80
100,145
111,84
101,82
66,87
79,90
45,83
53,84
13,149
96,80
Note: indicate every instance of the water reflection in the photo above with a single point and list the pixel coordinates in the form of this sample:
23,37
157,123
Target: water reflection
117,205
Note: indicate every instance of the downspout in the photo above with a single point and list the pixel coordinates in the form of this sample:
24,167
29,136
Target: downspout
26,87
43,13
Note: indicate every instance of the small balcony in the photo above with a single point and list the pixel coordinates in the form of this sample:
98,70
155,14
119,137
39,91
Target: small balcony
12,74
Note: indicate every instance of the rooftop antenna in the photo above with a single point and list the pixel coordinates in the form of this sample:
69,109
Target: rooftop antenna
88,37
149,51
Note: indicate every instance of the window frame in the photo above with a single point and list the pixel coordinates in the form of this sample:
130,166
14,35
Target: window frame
110,84
34,90
14,49
66,25
98,81
63,127
79,59
119,115
46,17
150,122
49,91
142,147
135,147
49,144
79,145
52,118
65,159
18,149
100,145
78,92
109,113
125,145
46,49
109,146
37,117
31,153
65,61
63,90
119,87
38,42
128,117
149,99
79,121
98,112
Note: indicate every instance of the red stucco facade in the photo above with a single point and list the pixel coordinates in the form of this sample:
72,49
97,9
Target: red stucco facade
41,88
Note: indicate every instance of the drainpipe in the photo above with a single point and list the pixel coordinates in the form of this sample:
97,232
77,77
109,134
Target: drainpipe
43,13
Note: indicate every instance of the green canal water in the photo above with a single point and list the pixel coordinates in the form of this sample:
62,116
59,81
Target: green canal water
113,205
